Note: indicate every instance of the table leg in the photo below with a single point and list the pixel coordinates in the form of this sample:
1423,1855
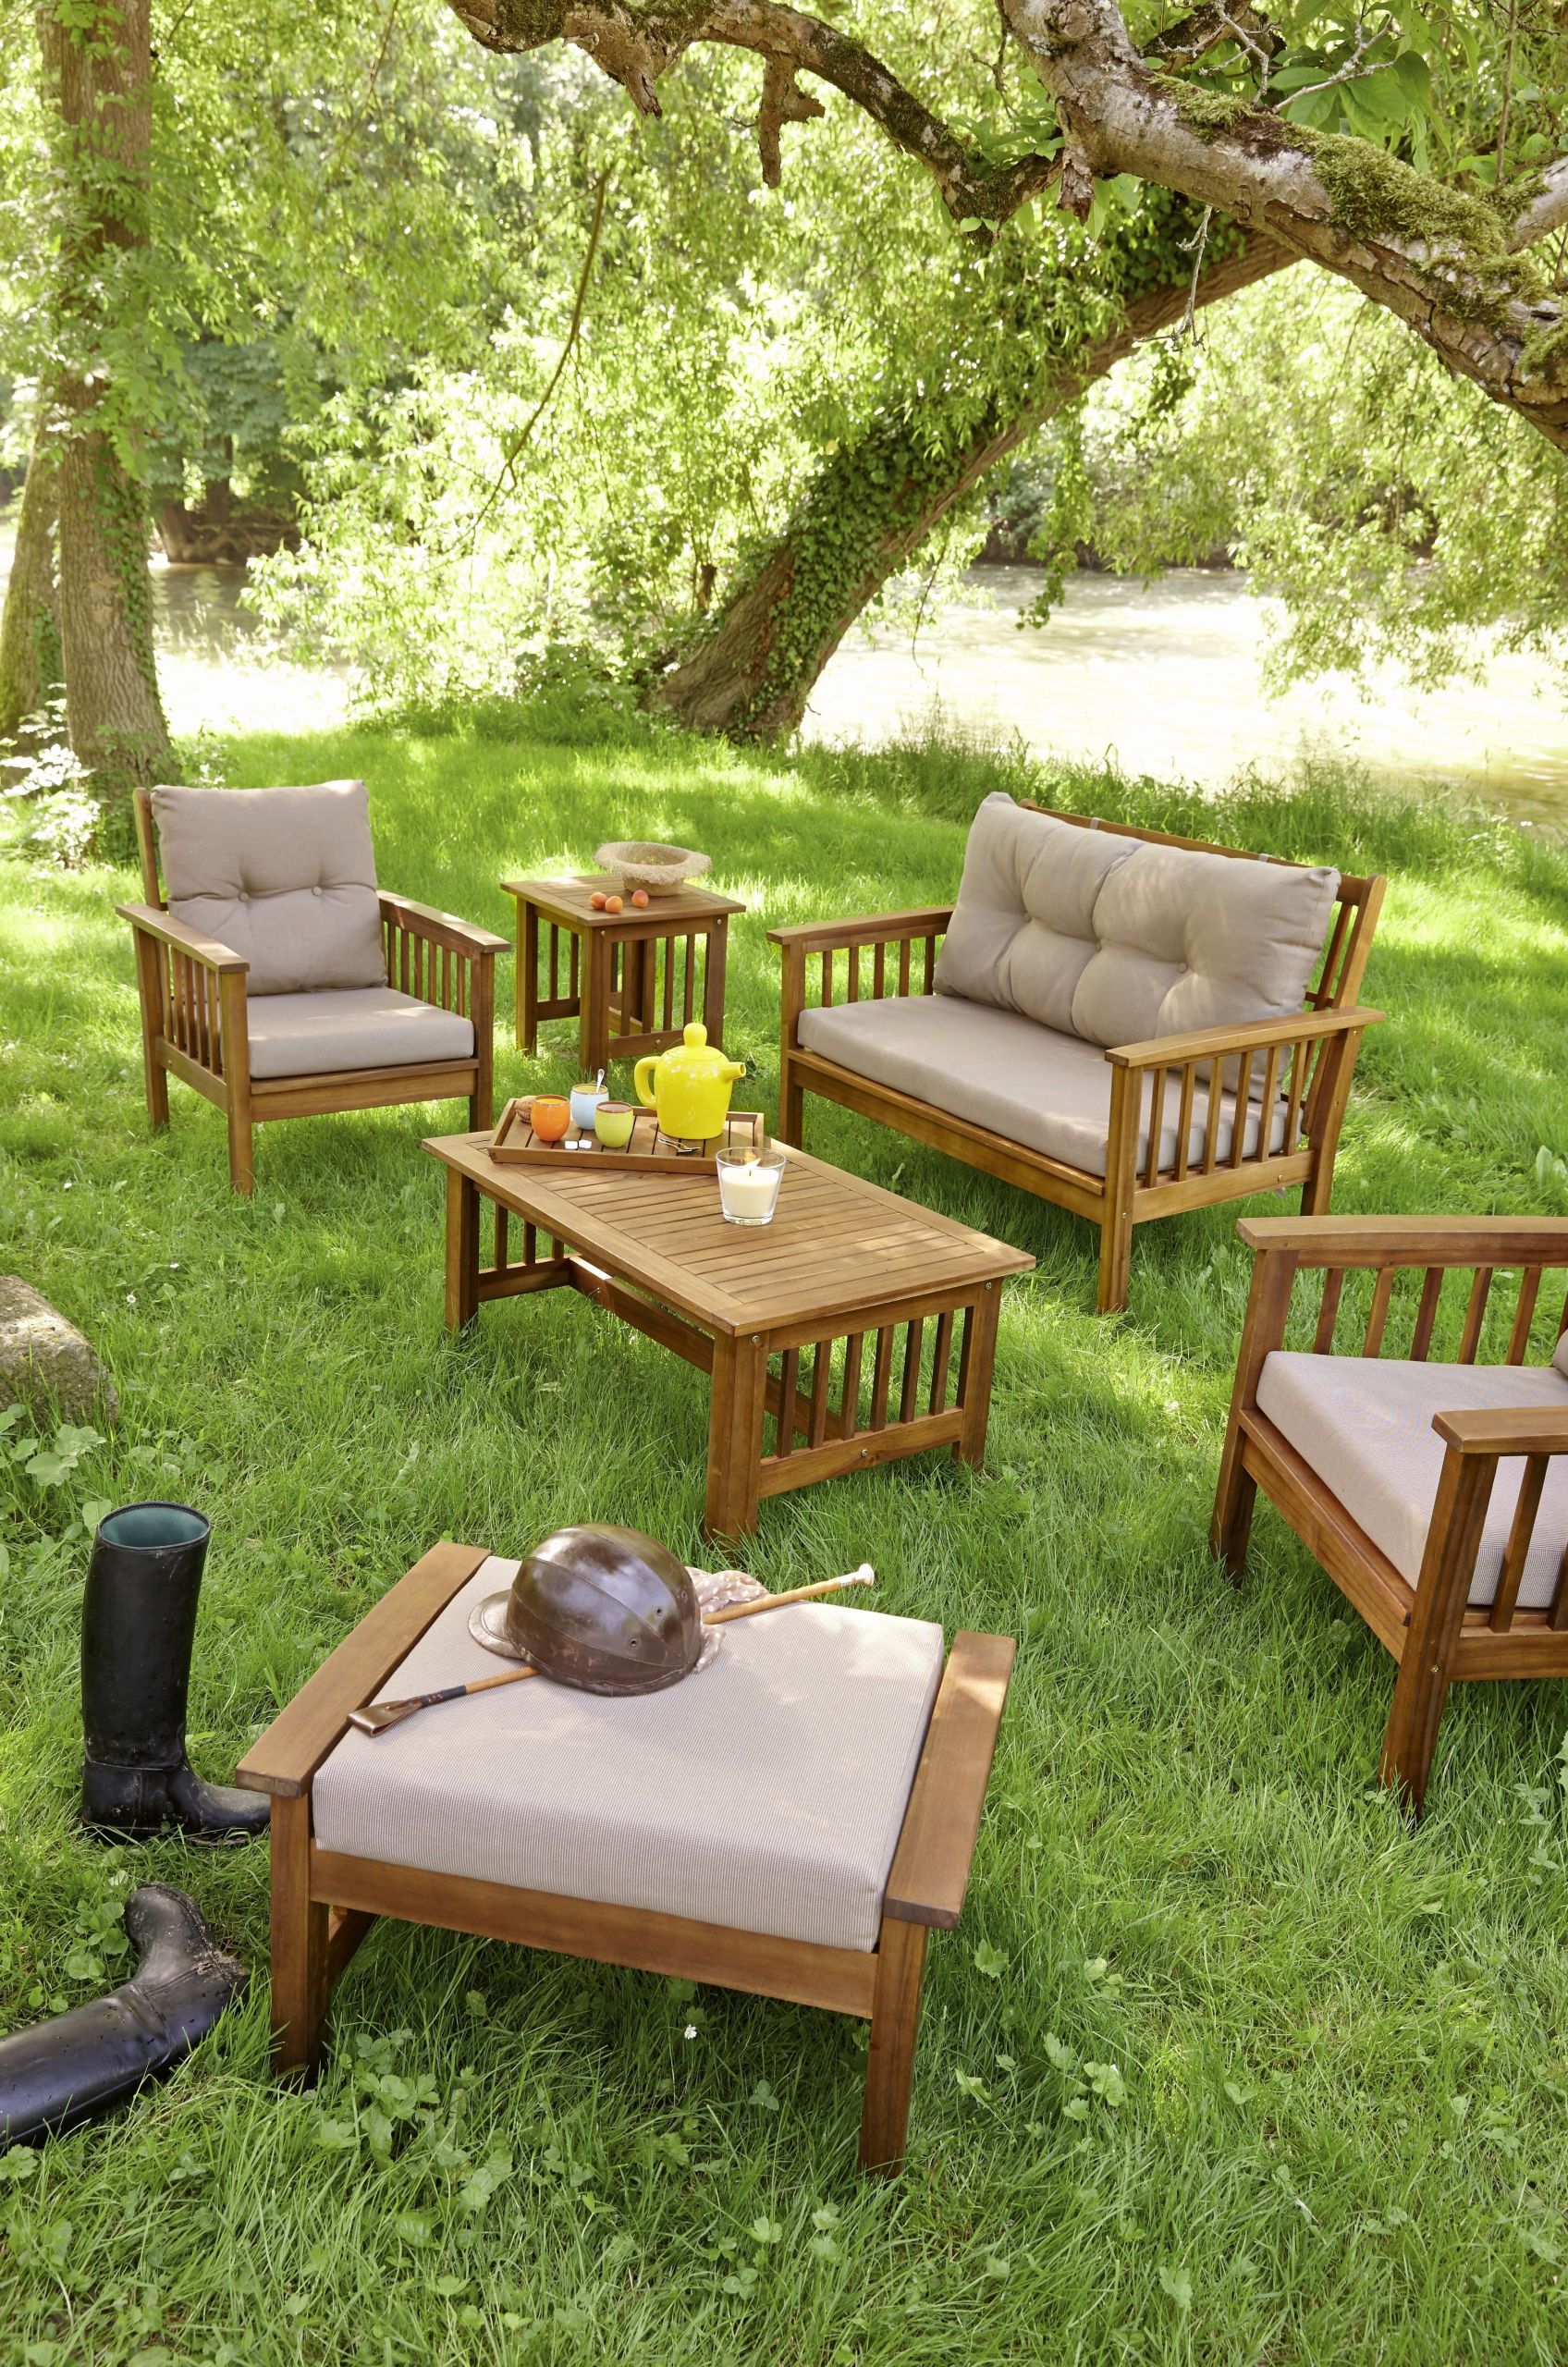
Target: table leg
527,976
713,980
974,1374
463,1250
594,1020
739,1388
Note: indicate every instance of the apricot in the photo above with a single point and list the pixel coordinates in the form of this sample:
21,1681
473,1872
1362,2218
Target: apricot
639,897
612,903
598,900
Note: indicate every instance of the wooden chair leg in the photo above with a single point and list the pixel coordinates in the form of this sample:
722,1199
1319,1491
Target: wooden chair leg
895,2022
241,1148
149,979
299,1972
482,1100
1411,1741
1231,1530
1426,1665
1328,1119
236,1047
792,1106
1116,1258
1268,1307
1120,1171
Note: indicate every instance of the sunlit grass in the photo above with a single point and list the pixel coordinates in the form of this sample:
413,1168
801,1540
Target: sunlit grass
1334,2130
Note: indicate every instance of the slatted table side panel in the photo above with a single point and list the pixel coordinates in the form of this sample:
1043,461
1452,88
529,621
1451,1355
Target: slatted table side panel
859,1383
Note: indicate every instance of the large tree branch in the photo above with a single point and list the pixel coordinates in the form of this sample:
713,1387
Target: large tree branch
1447,264
1437,259
1545,210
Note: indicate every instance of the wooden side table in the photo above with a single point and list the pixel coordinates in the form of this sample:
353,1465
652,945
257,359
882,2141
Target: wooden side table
632,978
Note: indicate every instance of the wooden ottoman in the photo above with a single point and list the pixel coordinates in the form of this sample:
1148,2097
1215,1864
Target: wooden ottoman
789,1821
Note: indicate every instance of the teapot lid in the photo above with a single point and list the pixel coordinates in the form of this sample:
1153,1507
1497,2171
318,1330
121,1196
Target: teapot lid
696,1051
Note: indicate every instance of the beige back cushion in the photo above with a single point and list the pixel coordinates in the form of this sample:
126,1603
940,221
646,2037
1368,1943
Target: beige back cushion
1116,940
1559,1355
284,876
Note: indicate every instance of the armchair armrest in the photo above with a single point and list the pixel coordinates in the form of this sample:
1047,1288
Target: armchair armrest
1257,1035
189,941
441,929
871,928
930,1869
1411,1241
1506,1429
283,1760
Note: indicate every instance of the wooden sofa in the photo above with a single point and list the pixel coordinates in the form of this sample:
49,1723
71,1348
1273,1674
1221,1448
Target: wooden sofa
334,996
1157,1137
1432,1487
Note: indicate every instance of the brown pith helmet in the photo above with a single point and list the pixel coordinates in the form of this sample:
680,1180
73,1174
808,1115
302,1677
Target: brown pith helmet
604,1608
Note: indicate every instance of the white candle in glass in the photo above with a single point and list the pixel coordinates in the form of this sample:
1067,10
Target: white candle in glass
748,1189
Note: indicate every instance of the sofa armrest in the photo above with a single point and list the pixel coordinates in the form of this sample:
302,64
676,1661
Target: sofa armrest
871,928
151,921
1253,1036
441,929
930,1869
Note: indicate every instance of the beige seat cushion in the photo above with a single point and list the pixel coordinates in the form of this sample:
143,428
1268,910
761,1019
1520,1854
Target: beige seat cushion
284,876
1560,1354
1365,1425
1116,940
357,1028
1025,1082
765,1794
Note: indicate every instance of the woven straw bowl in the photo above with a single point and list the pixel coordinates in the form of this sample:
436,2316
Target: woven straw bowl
641,862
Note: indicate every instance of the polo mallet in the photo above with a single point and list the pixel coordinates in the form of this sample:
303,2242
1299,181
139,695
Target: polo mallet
376,1716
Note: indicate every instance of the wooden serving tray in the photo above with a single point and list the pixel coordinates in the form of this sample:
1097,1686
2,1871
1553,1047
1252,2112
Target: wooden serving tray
515,1144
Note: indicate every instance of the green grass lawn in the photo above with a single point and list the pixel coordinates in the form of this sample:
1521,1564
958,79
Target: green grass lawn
1227,2064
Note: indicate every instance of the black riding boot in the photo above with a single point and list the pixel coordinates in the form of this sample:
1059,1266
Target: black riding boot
64,2071
138,1623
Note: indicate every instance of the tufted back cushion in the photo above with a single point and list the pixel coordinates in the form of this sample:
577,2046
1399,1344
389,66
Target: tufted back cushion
284,876
1116,940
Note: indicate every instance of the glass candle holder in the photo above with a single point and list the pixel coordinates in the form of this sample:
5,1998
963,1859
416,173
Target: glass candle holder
748,1184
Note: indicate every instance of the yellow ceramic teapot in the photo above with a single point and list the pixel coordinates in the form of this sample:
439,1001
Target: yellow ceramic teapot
691,1086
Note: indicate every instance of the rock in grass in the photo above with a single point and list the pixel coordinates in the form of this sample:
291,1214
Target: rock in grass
46,1359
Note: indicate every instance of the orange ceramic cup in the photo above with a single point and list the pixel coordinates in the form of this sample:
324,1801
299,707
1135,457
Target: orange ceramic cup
551,1117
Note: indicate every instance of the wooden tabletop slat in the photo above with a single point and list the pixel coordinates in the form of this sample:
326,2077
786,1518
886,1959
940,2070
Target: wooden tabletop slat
836,1242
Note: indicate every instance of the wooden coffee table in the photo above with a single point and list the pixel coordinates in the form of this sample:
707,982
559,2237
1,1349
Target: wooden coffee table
630,979
853,1329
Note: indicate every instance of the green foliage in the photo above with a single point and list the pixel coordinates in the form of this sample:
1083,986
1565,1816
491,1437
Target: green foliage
1391,511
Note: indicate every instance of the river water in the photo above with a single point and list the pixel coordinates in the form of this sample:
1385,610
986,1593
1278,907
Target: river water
1160,679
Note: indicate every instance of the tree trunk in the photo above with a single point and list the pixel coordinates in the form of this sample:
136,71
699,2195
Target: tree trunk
100,67
752,674
30,629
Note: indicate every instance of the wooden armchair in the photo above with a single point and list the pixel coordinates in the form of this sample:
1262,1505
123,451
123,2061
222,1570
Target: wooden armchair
1150,1128
1435,1494
333,995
